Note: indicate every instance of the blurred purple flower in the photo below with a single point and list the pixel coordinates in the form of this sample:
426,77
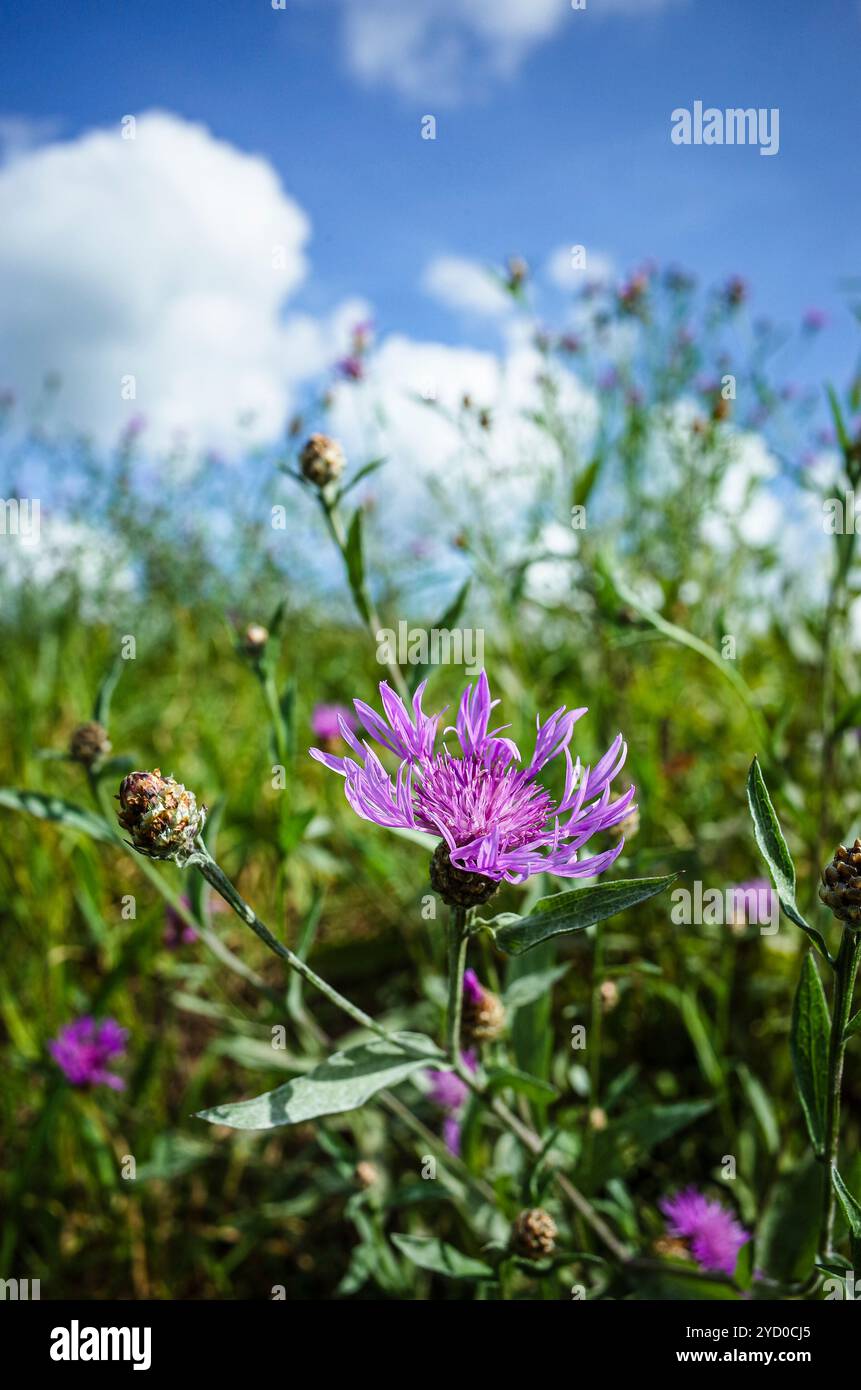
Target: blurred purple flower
814,321
735,292
711,1232
177,931
472,990
449,1093
497,819
82,1050
351,368
326,722
752,901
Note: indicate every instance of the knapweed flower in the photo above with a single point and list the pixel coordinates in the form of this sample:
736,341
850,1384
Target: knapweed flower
83,1049
322,460
450,1094
710,1232
533,1234
326,723
89,744
483,1017
494,818
163,819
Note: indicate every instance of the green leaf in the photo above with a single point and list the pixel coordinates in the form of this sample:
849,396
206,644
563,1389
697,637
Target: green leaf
500,1078
853,1026
53,808
429,1253
628,1140
354,558
788,1231
760,1104
527,988
775,852
102,707
344,1081
364,472
809,1038
574,911
443,624
851,1208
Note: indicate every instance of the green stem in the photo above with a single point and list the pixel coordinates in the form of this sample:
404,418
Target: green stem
458,938
845,971
218,879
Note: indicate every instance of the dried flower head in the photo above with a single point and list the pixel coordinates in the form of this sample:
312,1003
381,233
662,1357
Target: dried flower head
163,819
495,819
322,460
534,1234
841,884
367,1174
89,744
483,1018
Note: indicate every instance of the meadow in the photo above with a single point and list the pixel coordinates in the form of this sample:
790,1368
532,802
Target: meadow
673,564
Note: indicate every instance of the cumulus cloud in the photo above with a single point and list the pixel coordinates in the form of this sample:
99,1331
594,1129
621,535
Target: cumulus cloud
431,47
464,285
167,258
566,274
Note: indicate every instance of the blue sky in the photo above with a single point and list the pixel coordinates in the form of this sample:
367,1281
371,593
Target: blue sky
548,133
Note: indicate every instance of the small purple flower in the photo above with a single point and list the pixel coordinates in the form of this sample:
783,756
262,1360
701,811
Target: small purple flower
496,819
711,1232
450,1094
177,931
814,321
351,368
472,990
83,1049
325,722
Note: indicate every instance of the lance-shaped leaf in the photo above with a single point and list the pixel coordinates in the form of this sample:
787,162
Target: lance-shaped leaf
809,1038
344,1081
573,911
354,558
851,1210
102,706
775,852
429,1253
53,808
443,624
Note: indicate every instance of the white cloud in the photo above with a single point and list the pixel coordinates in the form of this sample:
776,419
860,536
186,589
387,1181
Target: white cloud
168,258
442,48
465,285
562,272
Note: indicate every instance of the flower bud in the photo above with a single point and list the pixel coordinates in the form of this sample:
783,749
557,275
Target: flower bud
609,995
162,818
534,1234
322,460
458,887
254,639
89,744
841,884
366,1174
483,1018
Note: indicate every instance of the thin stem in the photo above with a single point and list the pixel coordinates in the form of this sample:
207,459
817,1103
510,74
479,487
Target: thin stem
216,876
458,938
845,971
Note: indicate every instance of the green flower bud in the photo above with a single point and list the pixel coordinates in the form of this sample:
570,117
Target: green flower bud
162,818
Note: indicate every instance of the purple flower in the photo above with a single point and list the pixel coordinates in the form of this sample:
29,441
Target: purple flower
710,1230
814,321
497,819
83,1049
472,990
752,901
351,368
325,722
177,931
450,1094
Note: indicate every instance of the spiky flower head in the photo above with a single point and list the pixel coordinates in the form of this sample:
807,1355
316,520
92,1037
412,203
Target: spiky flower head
162,817
841,884
322,460
710,1232
89,744
483,1016
533,1234
495,819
